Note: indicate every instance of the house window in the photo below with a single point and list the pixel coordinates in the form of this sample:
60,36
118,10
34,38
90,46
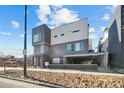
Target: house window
75,31
69,48
36,37
56,60
39,50
77,46
55,36
62,34
73,47
46,49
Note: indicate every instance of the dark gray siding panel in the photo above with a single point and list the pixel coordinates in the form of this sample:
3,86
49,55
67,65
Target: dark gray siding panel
61,49
47,35
114,46
122,36
44,32
39,29
122,50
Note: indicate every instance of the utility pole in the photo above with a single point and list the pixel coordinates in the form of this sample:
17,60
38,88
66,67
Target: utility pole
4,65
25,41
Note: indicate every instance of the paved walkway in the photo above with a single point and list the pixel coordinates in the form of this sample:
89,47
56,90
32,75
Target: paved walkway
69,71
8,83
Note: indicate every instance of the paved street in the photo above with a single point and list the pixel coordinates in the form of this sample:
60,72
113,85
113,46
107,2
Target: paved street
8,83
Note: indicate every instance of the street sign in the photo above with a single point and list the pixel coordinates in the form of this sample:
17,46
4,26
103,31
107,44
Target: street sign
24,52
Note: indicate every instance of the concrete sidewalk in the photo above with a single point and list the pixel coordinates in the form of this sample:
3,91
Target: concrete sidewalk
102,72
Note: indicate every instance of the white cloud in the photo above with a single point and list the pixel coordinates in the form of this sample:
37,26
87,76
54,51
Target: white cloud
102,28
112,8
15,24
106,17
92,29
5,33
58,6
1,47
63,16
21,35
57,16
93,36
43,12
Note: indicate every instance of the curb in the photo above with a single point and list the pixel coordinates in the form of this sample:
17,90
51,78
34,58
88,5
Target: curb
32,82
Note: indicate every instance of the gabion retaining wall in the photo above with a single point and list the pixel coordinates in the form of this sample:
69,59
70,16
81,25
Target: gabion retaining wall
76,80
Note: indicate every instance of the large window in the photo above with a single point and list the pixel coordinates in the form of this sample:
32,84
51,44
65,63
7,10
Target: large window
77,46
41,50
36,37
73,47
56,60
38,50
68,47
46,49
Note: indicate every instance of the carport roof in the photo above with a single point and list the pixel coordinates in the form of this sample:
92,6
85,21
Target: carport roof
84,55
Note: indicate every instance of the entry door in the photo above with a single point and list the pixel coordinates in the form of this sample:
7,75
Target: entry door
39,61
56,60
75,61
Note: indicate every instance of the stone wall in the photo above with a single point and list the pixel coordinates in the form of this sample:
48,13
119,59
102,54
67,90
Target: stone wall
79,80
72,80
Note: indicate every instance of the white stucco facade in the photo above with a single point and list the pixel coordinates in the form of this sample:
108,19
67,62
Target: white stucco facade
104,41
71,32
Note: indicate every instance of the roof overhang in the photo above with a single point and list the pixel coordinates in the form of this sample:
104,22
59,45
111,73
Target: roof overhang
85,55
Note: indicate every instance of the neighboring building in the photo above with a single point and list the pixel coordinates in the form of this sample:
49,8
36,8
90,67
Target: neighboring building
29,60
90,48
100,45
55,44
104,41
116,38
8,61
90,45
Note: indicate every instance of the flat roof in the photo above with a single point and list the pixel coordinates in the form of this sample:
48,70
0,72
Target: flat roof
70,23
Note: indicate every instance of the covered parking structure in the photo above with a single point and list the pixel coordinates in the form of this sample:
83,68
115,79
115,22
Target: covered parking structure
80,58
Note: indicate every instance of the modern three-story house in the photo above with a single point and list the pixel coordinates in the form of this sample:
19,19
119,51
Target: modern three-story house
61,45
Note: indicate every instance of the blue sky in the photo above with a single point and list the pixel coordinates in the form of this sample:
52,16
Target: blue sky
12,22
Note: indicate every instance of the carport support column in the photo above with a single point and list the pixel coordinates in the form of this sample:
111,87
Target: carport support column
64,60
104,60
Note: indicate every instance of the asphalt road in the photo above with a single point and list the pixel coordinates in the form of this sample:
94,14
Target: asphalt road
8,83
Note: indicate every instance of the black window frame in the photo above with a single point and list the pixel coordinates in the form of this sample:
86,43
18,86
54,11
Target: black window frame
75,31
55,36
62,34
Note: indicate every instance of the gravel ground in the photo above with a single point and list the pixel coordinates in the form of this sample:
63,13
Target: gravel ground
73,79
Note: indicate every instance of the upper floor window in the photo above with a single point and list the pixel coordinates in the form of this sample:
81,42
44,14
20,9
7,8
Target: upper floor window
39,50
75,31
55,36
36,37
77,46
69,48
62,34
73,47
